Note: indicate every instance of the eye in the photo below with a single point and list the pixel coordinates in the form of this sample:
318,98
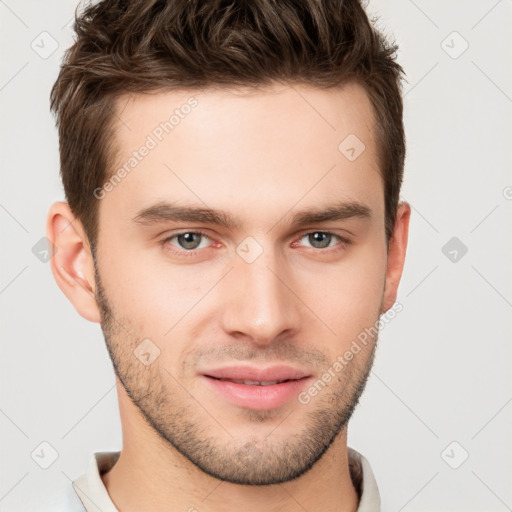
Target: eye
187,243
188,240
324,239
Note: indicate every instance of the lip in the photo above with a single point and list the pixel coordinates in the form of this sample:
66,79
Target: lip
257,397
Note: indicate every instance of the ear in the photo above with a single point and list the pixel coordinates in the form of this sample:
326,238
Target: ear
396,255
71,262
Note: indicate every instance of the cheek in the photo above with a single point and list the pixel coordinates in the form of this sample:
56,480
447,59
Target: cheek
347,297
153,296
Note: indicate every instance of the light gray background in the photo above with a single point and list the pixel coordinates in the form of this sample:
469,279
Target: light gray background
442,372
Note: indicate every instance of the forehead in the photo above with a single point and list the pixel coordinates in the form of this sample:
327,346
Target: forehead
340,110
237,148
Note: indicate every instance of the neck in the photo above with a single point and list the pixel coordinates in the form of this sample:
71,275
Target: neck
152,475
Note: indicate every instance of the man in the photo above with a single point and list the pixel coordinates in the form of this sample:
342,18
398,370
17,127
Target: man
232,173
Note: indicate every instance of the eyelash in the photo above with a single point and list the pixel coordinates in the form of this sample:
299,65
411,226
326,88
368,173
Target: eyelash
193,252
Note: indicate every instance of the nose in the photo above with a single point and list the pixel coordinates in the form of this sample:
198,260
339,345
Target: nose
260,302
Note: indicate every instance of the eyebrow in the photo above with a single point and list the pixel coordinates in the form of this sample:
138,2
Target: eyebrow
165,212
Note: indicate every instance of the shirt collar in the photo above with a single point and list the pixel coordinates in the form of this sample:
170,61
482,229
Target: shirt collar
93,494
90,487
364,482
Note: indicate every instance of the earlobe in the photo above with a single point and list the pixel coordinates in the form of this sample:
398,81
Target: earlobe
396,255
71,261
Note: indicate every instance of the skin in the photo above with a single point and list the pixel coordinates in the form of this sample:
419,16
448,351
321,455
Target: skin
261,157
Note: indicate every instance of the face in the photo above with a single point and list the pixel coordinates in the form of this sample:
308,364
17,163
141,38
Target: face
245,246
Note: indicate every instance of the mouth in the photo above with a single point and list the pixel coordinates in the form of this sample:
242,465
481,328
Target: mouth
253,388
254,382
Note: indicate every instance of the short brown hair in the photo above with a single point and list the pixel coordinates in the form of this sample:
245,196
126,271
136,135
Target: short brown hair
138,46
